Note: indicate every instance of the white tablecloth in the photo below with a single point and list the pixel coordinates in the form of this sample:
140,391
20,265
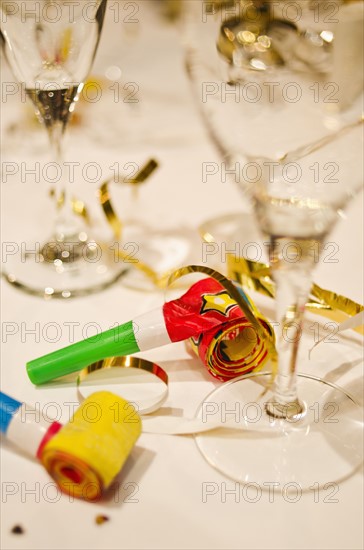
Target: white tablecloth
163,506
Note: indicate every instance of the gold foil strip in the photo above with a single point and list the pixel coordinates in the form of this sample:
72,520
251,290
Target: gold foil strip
59,199
79,208
159,280
105,200
107,207
256,276
125,362
144,173
77,205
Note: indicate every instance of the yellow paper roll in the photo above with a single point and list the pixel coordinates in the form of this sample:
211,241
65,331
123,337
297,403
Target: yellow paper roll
85,455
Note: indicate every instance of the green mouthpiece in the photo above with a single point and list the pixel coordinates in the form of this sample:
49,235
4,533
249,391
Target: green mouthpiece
116,341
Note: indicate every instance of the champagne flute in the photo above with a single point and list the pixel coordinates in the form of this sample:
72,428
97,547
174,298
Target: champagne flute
50,46
282,99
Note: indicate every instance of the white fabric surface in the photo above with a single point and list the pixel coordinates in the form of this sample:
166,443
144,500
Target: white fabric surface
162,507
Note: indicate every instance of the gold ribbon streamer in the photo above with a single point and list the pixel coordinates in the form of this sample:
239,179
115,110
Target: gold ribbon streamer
105,200
125,362
159,280
79,208
250,274
256,276
77,205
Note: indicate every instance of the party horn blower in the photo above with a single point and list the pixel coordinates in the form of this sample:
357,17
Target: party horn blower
25,426
85,455
205,306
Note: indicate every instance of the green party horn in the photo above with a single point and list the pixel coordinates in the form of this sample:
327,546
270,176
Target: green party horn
206,305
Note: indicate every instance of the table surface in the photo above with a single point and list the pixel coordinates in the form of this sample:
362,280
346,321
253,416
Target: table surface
163,505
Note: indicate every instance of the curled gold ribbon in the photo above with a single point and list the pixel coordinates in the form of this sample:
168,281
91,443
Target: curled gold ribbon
256,276
159,280
105,200
79,208
77,205
125,362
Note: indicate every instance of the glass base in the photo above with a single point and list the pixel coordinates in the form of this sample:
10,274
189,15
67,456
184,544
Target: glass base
321,446
154,254
62,269
235,233
235,228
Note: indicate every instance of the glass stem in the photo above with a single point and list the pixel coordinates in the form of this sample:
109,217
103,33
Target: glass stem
66,224
292,277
